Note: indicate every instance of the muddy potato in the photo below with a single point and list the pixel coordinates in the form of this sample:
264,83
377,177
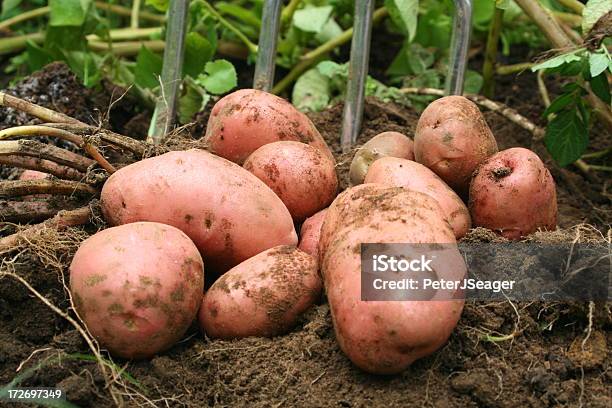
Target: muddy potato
514,194
393,144
245,120
229,213
452,138
138,287
396,172
33,175
385,337
311,233
300,175
263,296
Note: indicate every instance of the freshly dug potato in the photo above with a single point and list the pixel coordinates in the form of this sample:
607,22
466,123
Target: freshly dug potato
452,139
263,296
33,175
513,194
311,233
300,175
396,172
229,213
138,287
393,144
245,120
385,337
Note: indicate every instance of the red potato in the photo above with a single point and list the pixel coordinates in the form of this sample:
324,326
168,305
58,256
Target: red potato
311,233
392,144
396,172
385,337
229,213
514,194
138,287
300,175
263,296
452,138
33,175
245,120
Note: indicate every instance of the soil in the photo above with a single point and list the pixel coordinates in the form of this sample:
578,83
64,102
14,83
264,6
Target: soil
501,355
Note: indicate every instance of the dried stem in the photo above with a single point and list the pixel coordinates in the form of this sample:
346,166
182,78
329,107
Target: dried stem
488,69
30,211
16,188
31,148
107,136
42,165
38,111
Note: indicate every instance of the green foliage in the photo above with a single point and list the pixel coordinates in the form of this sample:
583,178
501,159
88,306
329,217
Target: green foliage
404,14
159,5
219,77
593,11
148,68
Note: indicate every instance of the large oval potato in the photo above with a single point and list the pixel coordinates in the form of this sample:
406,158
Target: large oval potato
138,287
245,120
303,177
385,337
452,138
263,296
229,213
396,172
392,144
514,194
310,233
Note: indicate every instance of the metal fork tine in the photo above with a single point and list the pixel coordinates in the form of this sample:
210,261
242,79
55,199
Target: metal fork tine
358,73
266,51
460,42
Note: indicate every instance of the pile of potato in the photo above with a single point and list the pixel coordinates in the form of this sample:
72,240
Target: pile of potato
234,209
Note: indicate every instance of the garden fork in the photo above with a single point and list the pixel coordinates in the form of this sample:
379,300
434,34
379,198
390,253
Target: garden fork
360,53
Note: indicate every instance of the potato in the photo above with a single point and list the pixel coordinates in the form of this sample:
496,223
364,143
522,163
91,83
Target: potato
385,337
33,175
303,177
452,139
396,172
310,234
513,194
138,287
245,120
393,144
263,296
229,213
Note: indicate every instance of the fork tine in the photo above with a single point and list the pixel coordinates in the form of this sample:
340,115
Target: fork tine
266,52
460,42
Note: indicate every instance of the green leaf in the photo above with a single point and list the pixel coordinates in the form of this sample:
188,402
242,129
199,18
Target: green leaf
312,19
567,137
38,57
559,60
503,4
240,13
198,51
404,14
473,82
601,87
598,63
559,104
148,69
193,101
159,5
330,30
8,6
68,12
220,77
593,11
311,92
329,68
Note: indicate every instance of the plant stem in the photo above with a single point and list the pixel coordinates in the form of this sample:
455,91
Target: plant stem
599,168
597,155
123,34
252,47
315,55
20,18
17,188
124,11
542,88
488,69
574,5
127,48
513,68
135,16
288,11
9,45
38,111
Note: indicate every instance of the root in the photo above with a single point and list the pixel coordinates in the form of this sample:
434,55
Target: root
19,188
42,165
29,211
39,150
38,111
107,136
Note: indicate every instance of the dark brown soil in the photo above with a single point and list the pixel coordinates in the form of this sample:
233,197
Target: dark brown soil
534,355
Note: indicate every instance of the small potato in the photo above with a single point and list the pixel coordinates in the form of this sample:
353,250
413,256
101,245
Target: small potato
311,233
396,172
452,138
300,175
263,296
33,175
513,194
138,287
392,144
245,120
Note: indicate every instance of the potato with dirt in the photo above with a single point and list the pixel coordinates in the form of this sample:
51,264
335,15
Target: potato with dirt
414,176
385,337
300,175
263,296
514,194
310,233
138,287
385,144
245,120
229,213
452,138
